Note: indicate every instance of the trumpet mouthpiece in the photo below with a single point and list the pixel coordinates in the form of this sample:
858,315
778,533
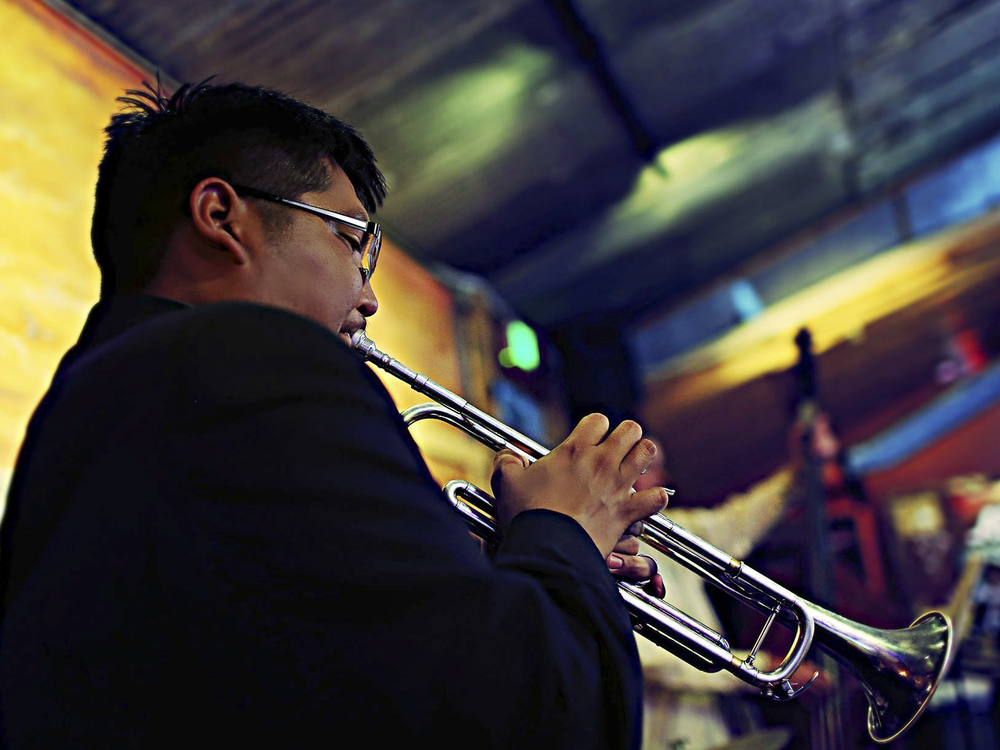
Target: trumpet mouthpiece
361,342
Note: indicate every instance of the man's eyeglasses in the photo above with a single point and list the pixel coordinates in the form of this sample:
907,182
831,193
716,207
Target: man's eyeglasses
364,237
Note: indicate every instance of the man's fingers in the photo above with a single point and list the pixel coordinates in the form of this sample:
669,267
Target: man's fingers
635,529
638,458
646,503
505,460
507,456
627,545
655,587
590,430
622,439
632,567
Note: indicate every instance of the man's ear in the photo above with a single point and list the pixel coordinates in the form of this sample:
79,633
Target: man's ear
222,218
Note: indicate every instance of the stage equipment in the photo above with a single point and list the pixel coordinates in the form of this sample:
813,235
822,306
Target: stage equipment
898,669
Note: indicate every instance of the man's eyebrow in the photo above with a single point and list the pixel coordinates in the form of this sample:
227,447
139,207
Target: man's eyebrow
358,213
355,213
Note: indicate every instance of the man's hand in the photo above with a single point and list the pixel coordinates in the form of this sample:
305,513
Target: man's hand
626,562
588,477
820,437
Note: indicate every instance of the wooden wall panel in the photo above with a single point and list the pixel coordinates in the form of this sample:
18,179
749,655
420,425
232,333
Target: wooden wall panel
58,85
57,91
416,325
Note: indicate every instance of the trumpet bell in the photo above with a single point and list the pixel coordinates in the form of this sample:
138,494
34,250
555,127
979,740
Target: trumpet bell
898,669
903,672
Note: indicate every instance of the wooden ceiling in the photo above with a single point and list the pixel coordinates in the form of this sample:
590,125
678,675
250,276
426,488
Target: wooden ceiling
602,158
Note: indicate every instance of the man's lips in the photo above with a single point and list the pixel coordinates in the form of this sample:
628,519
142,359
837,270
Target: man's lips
347,331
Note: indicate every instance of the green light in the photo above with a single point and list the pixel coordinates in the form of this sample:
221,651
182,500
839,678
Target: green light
471,119
522,347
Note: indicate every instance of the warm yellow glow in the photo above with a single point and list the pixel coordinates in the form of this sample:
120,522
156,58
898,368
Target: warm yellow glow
839,308
416,325
57,91
693,158
475,115
702,170
679,179
918,515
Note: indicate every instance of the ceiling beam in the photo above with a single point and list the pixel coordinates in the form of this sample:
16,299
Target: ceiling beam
588,48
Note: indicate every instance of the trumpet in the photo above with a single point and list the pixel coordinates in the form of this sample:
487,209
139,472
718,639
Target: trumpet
898,670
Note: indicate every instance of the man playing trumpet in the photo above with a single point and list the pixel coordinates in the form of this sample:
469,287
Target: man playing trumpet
219,532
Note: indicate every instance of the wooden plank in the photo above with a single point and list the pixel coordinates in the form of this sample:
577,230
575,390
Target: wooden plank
949,47
935,122
618,23
729,170
875,30
57,91
670,69
335,53
873,369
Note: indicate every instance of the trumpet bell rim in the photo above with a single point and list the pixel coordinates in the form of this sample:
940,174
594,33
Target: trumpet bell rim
944,658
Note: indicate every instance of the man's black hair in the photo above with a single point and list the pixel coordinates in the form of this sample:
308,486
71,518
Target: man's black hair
161,147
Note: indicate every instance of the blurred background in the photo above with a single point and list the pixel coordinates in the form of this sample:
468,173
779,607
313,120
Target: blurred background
714,216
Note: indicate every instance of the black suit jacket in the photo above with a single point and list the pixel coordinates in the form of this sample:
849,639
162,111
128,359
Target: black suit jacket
219,533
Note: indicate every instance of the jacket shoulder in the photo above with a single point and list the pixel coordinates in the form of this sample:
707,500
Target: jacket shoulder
257,325
238,342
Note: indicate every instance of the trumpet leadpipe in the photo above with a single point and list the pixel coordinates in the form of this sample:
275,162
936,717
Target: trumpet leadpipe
899,670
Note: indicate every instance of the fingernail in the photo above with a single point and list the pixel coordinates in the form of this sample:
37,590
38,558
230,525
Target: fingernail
615,562
652,564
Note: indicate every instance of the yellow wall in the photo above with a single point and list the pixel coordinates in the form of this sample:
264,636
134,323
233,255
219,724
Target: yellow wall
57,92
58,86
416,325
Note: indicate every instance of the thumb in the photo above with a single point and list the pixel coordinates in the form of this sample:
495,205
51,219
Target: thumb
505,460
646,503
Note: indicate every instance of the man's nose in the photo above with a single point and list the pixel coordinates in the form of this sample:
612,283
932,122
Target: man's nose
368,304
